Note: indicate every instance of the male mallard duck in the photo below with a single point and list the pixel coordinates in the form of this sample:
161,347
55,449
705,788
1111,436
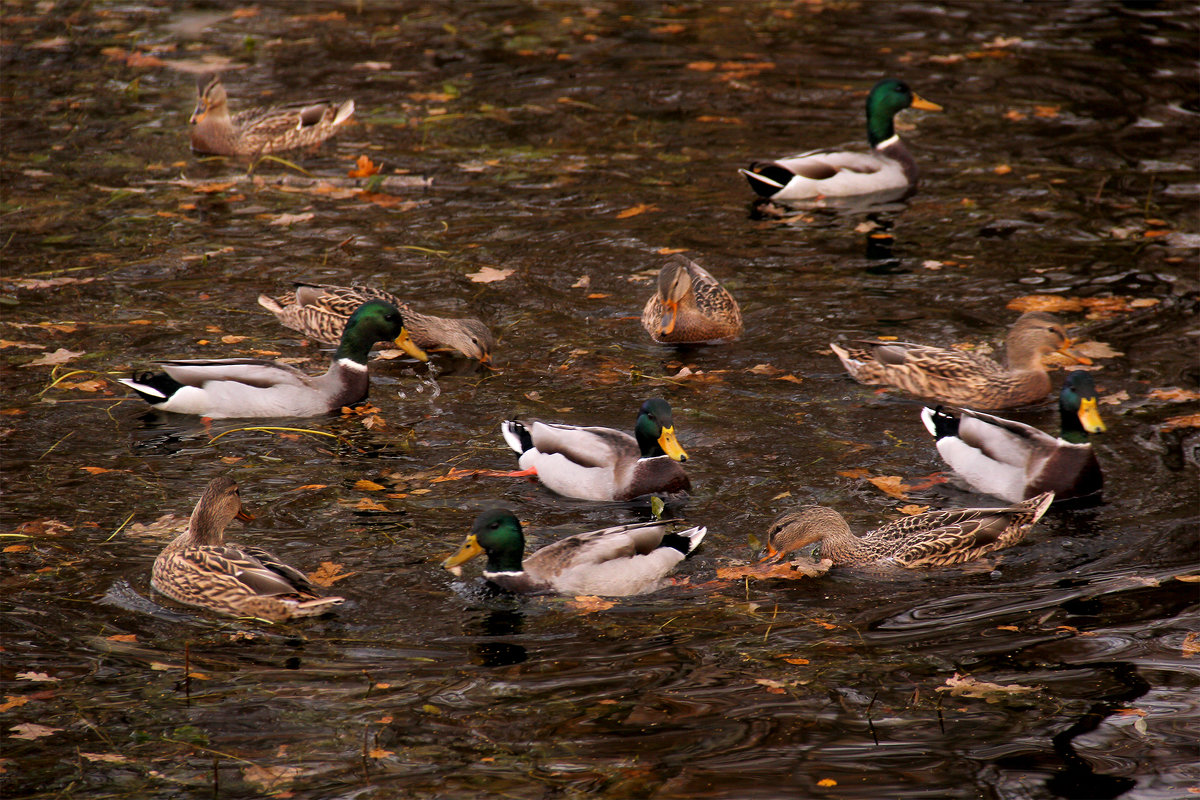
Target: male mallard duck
960,378
690,307
932,539
320,312
260,130
199,569
601,463
1014,461
615,562
834,173
251,387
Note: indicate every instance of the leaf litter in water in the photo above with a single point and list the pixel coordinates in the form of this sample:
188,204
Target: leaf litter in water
966,686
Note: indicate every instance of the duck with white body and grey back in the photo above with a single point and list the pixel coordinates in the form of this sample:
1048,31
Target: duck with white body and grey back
199,568
592,463
1015,461
887,168
614,562
251,387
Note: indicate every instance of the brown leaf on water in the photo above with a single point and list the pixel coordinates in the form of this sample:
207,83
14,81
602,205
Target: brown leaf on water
857,472
773,686
97,470
827,782
1185,421
489,275
796,660
1003,169
328,573
60,356
890,484
28,730
1094,349
310,486
82,386
1046,112
367,504
270,778
1191,645
245,12
785,570
669,28
633,211
590,603
291,219
1051,303
368,486
379,752
364,168
764,369
16,548
702,66
1173,394
966,686
107,758
912,510
43,527
385,200
122,637
213,188
790,378
667,251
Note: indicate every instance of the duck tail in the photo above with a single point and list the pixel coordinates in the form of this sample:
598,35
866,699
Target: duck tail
270,304
685,541
517,436
765,178
153,387
314,607
939,424
344,112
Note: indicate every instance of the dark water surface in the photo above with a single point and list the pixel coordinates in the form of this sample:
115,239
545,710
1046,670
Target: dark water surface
514,135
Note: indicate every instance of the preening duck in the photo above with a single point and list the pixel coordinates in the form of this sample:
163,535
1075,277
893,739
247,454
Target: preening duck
1014,461
841,173
961,378
690,307
260,130
199,569
615,562
932,539
602,463
251,387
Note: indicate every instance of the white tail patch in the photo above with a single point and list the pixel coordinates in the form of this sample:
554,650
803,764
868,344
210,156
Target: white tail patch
694,536
344,112
269,304
927,417
754,176
141,387
508,428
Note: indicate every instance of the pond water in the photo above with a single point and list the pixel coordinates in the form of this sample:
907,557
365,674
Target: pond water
569,145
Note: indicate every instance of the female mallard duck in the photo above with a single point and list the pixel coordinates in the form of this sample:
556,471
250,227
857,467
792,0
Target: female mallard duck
601,463
964,379
260,130
320,312
932,539
1014,461
690,307
833,173
251,387
614,562
199,569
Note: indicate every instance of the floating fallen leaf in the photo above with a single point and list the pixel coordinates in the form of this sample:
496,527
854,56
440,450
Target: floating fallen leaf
1094,349
857,472
367,504
122,637
764,369
795,660
790,378
702,66
633,211
1046,112
60,356
385,200
772,686
83,386
786,570
28,730
12,701
36,677
379,752
212,188
1191,645
827,782
966,686
368,486
489,275
364,168
590,603
270,778
309,486
1012,115
1012,628
107,758
292,219
328,573
1185,421
912,510
1002,169
584,282
1173,395
890,484
17,548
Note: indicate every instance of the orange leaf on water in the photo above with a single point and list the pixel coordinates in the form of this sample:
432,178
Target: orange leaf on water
890,484
633,211
122,637
328,573
364,168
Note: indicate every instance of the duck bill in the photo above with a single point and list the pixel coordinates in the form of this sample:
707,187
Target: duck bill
1089,416
405,343
670,445
669,316
244,515
198,114
469,550
923,104
1076,357
771,554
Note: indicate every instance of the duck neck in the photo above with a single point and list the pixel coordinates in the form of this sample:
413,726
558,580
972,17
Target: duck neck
881,133
1072,428
355,346
204,528
839,544
506,560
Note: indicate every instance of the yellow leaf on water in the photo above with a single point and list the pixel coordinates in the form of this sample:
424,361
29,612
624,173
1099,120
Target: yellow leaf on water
633,211
12,701
368,486
827,782
489,275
